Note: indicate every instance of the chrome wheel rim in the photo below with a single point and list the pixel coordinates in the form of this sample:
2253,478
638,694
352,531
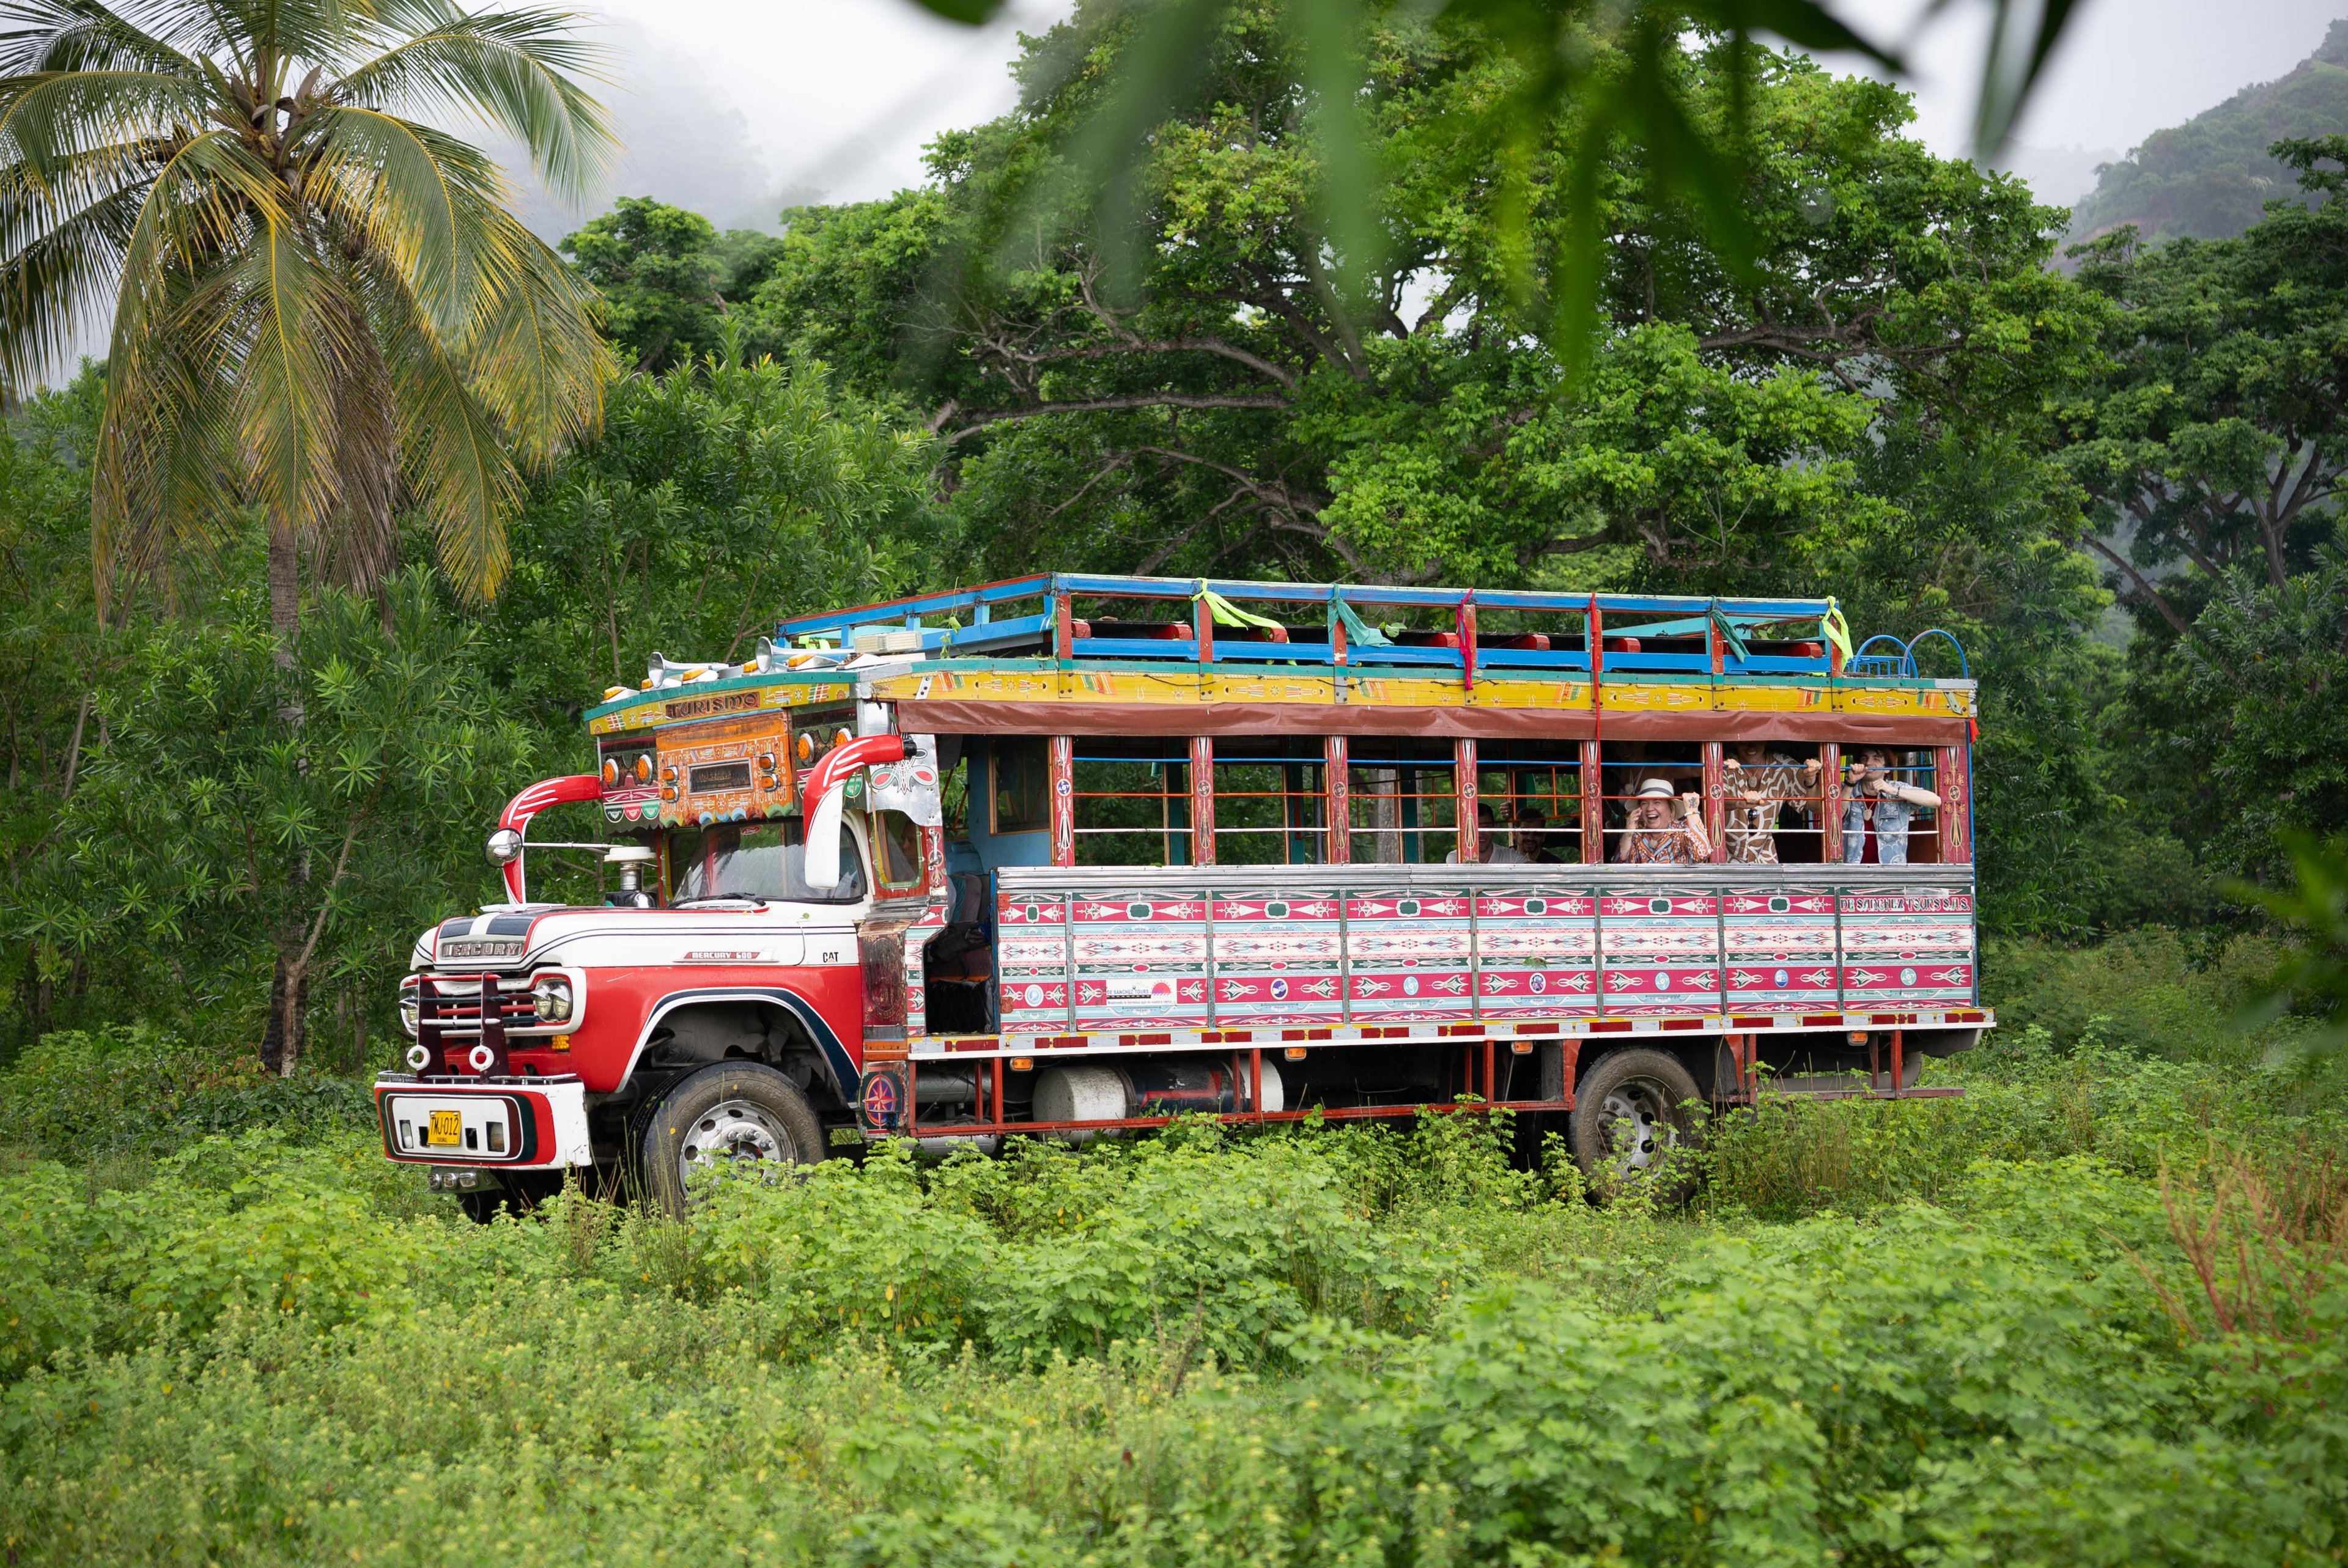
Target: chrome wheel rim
734,1135
1635,1123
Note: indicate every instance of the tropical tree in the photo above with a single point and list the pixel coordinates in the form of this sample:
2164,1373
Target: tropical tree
2220,437
668,279
205,847
720,494
321,302
1239,405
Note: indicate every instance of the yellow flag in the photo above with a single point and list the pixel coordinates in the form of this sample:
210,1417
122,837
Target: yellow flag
1837,629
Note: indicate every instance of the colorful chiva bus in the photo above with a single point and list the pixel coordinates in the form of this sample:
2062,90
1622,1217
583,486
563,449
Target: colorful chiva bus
1070,855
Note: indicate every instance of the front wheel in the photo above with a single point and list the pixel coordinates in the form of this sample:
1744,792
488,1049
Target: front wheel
738,1116
1631,1112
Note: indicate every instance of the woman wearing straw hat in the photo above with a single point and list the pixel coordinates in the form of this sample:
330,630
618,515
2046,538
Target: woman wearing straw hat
1667,828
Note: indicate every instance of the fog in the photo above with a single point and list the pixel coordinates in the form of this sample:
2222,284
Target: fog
730,107
2125,70
736,109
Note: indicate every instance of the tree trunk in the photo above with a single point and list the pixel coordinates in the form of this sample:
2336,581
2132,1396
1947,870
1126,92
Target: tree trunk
281,1039
289,996
285,588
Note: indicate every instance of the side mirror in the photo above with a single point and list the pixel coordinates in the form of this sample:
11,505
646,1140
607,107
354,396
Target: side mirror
504,846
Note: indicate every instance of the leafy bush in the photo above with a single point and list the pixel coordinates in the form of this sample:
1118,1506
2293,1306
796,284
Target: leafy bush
2091,1312
2159,992
134,1089
2025,1099
1182,1239
1992,1379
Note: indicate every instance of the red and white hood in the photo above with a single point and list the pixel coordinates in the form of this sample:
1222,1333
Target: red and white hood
600,937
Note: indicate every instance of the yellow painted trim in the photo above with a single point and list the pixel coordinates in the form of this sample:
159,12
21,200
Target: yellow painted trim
678,704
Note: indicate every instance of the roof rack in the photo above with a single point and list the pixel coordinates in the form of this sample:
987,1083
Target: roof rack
1225,621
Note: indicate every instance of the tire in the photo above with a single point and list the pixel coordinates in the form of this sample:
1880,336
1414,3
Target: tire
742,1114
1630,1112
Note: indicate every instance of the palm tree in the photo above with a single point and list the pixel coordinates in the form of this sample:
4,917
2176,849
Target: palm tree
322,304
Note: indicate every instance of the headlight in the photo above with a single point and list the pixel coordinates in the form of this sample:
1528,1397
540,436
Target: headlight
411,1010
551,993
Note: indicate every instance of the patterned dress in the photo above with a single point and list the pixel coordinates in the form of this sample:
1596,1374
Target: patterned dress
1752,827
1656,846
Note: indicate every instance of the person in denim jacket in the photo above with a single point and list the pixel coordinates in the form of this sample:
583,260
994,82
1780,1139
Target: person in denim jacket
1872,794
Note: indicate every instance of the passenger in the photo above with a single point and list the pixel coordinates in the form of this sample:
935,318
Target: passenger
1655,838
1893,805
1758,788
1489,850
1534,837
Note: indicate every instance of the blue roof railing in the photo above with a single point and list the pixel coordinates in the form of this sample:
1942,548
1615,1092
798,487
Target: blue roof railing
972,621
1900,662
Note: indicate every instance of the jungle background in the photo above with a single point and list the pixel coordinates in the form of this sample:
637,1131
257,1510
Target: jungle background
2114,480
2091,1312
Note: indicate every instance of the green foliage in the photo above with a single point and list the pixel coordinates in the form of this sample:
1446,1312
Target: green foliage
1178,1238
1721,471
1295,1346
720,496
2243,720
316,300
51,647
2312,975
668,278
213,842
133,1091
2025,1100
2217,433
2155,992
1601,78
2213,450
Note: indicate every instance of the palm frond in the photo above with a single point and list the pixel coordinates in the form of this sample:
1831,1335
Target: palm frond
272,309
521,71
196,208
533,355
164,489
415,195
316,296
52,286
37,36
47,119
358,545
451,446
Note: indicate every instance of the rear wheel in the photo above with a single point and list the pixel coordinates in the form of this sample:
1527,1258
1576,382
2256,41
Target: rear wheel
739,1116
1631,1112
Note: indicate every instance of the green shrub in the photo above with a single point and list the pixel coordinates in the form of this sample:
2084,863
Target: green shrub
1185,1240
47,1300
2160,992
136,1090
1924,1331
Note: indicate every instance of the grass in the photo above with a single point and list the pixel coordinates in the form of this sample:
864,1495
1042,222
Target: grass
2089,1312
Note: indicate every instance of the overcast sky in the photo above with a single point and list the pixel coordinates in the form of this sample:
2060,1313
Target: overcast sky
730,105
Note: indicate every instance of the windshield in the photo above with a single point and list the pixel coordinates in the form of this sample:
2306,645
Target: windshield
757,860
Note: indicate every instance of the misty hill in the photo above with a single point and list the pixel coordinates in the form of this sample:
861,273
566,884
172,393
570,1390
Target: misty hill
2212,176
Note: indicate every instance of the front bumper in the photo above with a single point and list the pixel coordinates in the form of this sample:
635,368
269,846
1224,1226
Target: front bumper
521,1124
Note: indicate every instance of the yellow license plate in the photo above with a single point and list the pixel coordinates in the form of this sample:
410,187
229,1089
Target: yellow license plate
447,1131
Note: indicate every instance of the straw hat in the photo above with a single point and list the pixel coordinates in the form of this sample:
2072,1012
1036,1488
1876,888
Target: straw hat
1657,789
